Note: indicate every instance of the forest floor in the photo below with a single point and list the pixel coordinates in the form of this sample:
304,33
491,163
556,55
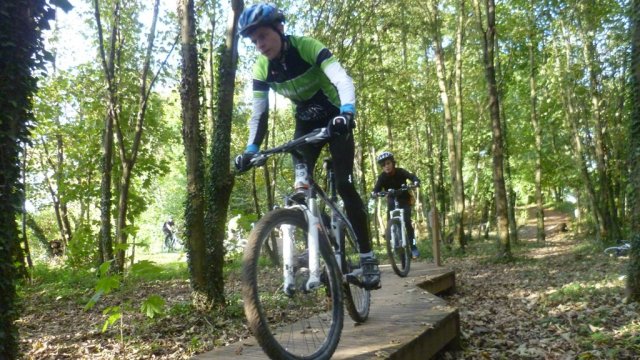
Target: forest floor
563,300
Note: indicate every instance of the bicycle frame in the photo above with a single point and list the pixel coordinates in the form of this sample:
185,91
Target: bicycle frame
313,216
315,225
397,213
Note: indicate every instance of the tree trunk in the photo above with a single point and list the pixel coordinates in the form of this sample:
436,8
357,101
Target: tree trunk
511,194
192,138
221,179
535,122
106,241
454,171
607,203
462,22
433,196
378,222
633,276
581,156
128,161
489,35
21,51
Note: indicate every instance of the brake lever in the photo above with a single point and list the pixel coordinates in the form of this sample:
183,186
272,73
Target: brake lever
259,160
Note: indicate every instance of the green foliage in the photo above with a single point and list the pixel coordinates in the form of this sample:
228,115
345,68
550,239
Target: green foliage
144,269
109,282
152,306
81,252
235,306
51,283
113,314
564,207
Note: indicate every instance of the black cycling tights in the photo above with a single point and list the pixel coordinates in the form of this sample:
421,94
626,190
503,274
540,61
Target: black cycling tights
342,149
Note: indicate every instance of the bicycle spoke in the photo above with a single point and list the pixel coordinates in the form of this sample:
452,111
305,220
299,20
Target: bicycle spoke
304,322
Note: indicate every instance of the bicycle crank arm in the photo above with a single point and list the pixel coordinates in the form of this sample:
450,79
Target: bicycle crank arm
353,278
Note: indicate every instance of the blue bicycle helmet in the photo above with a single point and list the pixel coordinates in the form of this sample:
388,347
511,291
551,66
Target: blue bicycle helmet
384,156
257,15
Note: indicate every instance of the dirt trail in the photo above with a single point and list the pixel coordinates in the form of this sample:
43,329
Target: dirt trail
560,300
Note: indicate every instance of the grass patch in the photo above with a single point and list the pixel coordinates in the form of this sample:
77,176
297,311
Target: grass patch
563,207
571,293
51,283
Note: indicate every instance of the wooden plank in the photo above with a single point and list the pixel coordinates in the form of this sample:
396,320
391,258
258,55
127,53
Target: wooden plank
405,322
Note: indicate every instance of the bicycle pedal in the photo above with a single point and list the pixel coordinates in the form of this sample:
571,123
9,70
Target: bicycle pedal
354,280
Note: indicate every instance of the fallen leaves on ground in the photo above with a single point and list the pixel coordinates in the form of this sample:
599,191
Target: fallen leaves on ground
556,301
553,302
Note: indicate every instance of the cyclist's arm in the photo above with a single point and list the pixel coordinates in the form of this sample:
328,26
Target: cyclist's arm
334,71
343,82
260,110
378,186
409,176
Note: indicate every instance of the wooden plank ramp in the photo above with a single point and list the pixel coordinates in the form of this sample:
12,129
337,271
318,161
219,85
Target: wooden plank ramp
407,321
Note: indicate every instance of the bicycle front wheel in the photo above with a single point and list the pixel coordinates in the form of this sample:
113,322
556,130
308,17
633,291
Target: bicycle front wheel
357,298
302,324
399,255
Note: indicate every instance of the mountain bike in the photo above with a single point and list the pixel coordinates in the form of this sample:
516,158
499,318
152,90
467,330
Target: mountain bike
398,245
299,264
617,251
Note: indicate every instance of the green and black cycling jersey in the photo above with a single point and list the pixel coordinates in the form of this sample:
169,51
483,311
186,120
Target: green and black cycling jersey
309,75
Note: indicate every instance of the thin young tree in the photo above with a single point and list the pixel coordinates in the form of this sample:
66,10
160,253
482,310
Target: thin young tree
455,164
193,139
108,65
488,32
535,121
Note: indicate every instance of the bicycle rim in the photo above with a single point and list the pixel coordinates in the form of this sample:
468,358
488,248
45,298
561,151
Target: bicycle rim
357,299
306,325
399,256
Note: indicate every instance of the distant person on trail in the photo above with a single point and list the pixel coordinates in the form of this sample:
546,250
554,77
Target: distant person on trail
169,234
305,71
393,177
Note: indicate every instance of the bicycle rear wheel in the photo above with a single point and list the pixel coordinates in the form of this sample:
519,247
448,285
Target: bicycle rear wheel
306,324
399,256
357,298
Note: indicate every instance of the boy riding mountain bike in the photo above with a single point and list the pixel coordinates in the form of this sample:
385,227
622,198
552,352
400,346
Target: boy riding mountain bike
305,71
393,177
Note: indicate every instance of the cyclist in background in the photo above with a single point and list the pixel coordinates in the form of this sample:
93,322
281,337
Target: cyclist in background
393,177
305,71
169,234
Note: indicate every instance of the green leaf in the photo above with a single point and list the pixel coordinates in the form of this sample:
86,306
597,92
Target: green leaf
106,284
144,268
104,267
121,247
114,315
152,306
94,299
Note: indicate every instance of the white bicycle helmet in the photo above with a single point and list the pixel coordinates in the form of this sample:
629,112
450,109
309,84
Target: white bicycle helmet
384,156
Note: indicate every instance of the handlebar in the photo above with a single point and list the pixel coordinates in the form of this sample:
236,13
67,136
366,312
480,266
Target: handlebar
313,137
394,192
